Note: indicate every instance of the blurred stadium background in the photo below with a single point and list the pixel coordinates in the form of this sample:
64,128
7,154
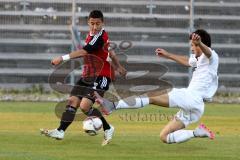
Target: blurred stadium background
32,32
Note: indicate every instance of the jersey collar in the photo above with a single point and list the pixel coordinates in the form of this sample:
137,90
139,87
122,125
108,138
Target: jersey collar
90,33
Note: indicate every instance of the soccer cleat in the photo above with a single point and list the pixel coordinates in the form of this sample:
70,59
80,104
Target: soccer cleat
203,131
59,135
108,134
107,107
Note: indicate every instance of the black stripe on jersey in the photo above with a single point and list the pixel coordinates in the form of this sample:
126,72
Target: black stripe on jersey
95,38
96,43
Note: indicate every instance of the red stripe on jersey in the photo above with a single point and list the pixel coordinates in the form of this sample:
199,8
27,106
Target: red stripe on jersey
96,63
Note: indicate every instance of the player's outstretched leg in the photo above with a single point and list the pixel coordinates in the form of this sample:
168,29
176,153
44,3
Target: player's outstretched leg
203,131
107,106
132,102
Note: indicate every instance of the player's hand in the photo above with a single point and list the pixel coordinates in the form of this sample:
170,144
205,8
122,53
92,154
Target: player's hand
161,52
122,71
196,39
56,61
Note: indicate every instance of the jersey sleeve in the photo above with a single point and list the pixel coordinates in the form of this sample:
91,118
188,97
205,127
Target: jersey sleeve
96,43
214,56
214,62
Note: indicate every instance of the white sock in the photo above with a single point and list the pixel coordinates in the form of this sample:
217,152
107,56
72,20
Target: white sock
179,136
132,102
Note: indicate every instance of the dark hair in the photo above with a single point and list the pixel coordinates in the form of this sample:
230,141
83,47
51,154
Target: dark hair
205,36
96,14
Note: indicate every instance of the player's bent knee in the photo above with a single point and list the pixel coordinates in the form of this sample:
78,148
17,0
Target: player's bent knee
86,105
84,109
163,137
73,101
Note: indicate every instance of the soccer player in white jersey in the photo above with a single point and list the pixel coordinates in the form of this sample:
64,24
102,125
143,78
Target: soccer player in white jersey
189,100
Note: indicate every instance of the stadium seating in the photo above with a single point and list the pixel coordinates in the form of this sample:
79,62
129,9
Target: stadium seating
33,32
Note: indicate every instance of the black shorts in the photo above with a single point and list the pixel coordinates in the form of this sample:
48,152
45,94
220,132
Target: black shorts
85,87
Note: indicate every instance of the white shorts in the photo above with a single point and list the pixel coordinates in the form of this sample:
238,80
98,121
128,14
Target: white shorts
191,105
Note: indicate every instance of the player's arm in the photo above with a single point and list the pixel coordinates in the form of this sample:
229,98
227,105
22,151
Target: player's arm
177,58
74,54
92,46
196,39
116,64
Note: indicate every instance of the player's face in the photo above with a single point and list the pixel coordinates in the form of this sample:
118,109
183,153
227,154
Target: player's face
95,25
196,50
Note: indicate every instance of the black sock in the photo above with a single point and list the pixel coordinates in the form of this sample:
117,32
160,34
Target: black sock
67,117
105,123
97,113
194,134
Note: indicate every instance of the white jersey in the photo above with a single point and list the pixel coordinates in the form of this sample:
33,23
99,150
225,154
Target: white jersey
204,80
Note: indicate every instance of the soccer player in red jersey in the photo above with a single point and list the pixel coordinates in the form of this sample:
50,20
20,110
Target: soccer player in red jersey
97,74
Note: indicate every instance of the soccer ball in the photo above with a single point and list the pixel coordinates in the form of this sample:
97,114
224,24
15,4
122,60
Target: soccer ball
91,125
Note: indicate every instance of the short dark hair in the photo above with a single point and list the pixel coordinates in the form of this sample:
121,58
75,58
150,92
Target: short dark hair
205,36
96,14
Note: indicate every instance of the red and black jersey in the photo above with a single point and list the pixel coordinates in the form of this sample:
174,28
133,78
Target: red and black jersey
97,61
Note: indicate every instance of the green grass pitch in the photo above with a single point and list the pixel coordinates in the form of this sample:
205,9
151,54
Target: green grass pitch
136,136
